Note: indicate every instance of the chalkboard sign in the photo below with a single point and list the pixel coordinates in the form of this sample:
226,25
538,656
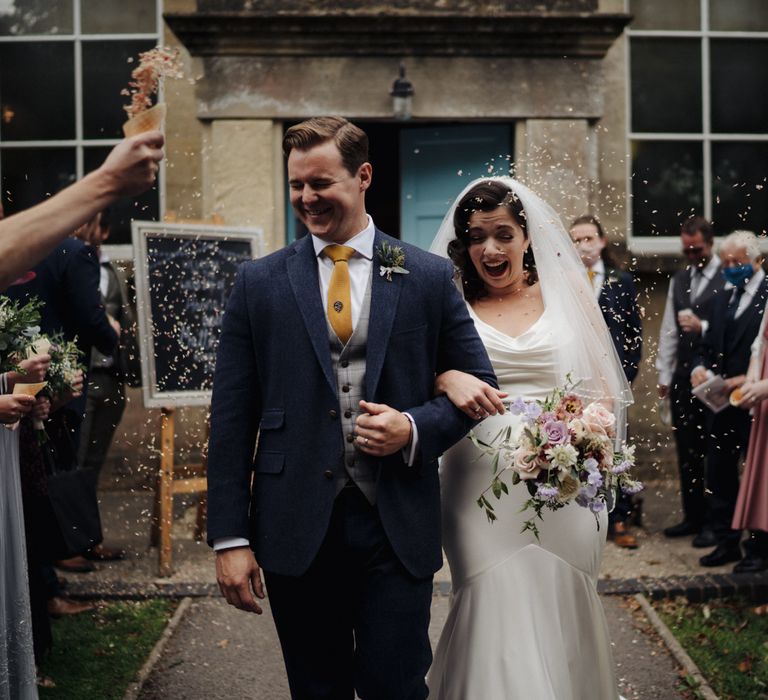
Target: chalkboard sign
184,274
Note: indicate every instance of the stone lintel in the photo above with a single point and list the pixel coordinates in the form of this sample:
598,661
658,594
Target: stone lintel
285,88
393,33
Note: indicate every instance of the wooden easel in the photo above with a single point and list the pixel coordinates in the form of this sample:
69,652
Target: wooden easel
191,479
193,476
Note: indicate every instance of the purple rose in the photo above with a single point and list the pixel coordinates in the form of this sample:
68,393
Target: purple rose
556,432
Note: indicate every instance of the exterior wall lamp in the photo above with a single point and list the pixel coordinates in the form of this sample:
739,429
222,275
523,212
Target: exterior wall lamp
402,96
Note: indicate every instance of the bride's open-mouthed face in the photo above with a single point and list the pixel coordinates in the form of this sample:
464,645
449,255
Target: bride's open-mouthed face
497,245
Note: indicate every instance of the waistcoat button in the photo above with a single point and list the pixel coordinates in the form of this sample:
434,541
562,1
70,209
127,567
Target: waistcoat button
332,413
345,388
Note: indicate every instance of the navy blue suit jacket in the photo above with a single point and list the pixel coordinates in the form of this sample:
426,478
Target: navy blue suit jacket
725,349
274,375
618,302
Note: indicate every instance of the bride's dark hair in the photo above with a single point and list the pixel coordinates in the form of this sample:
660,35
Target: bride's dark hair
485,196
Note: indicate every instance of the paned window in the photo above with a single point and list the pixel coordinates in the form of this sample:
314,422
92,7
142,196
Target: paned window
698,117
63,64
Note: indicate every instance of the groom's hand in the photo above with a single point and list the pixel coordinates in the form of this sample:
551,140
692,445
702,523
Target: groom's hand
381,430
239,576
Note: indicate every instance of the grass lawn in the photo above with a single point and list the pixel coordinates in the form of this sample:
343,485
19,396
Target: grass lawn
727,641
97,654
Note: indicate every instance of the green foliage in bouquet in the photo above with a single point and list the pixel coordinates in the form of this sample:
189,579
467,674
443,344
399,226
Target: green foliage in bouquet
65,362
19,326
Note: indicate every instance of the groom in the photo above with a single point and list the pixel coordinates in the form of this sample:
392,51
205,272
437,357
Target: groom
330,359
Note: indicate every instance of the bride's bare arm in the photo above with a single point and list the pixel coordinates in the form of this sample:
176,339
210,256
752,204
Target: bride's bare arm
470,394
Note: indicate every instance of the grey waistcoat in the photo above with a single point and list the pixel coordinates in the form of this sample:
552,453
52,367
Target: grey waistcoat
349,368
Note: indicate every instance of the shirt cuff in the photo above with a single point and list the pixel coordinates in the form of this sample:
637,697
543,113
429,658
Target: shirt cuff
665,378
409,451
704,327
222,543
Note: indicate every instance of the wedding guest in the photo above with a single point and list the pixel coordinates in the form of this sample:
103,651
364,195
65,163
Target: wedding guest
67,281
17,663
47,597
691,294
617,297
28,236
752,503
725,350
105,399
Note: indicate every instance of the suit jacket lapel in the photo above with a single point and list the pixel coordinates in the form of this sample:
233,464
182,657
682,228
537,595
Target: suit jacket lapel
606,291
305,282
384,297
756,305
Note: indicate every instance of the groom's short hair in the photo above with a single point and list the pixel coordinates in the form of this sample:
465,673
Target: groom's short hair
350,139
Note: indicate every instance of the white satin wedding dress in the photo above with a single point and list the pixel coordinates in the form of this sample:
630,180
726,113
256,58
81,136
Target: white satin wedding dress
525,621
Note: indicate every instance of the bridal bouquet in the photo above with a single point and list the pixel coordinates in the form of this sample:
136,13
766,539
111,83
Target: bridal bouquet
19,325
564,451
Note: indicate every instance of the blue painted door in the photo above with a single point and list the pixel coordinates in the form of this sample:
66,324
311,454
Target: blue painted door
436,163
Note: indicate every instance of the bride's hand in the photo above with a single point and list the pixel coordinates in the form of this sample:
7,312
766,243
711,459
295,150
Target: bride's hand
470,394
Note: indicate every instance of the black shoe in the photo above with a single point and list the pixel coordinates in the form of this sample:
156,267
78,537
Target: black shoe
722,554
706,538
682,529
750,565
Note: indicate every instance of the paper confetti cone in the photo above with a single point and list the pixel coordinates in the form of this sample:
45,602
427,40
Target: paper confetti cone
151,120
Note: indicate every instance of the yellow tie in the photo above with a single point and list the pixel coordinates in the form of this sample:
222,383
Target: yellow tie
591,274
339,295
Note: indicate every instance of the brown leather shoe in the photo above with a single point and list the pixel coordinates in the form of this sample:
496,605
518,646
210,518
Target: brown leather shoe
60,606
102,553
78,564
622,537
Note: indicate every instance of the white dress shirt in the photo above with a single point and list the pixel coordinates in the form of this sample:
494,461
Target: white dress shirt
666,356
360,266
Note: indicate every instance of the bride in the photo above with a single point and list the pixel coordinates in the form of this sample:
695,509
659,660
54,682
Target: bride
525,618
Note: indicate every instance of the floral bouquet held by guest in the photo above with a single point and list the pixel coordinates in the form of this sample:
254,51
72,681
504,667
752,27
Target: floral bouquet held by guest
154,66
65,372
563,451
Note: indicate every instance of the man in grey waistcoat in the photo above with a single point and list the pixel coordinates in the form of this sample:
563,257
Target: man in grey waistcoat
328,352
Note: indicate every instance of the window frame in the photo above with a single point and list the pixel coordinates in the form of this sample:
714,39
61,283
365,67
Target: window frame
646,245
79,143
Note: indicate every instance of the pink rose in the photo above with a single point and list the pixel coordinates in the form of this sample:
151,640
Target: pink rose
524,462
556,432
597,414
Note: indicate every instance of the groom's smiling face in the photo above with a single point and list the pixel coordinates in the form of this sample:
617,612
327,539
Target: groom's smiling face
327,198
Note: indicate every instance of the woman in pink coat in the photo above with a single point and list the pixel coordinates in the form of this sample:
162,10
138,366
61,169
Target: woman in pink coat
752,505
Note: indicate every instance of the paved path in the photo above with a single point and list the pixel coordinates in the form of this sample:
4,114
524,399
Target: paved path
219,653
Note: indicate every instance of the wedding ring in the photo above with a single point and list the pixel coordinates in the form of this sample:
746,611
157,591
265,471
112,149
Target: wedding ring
365,442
